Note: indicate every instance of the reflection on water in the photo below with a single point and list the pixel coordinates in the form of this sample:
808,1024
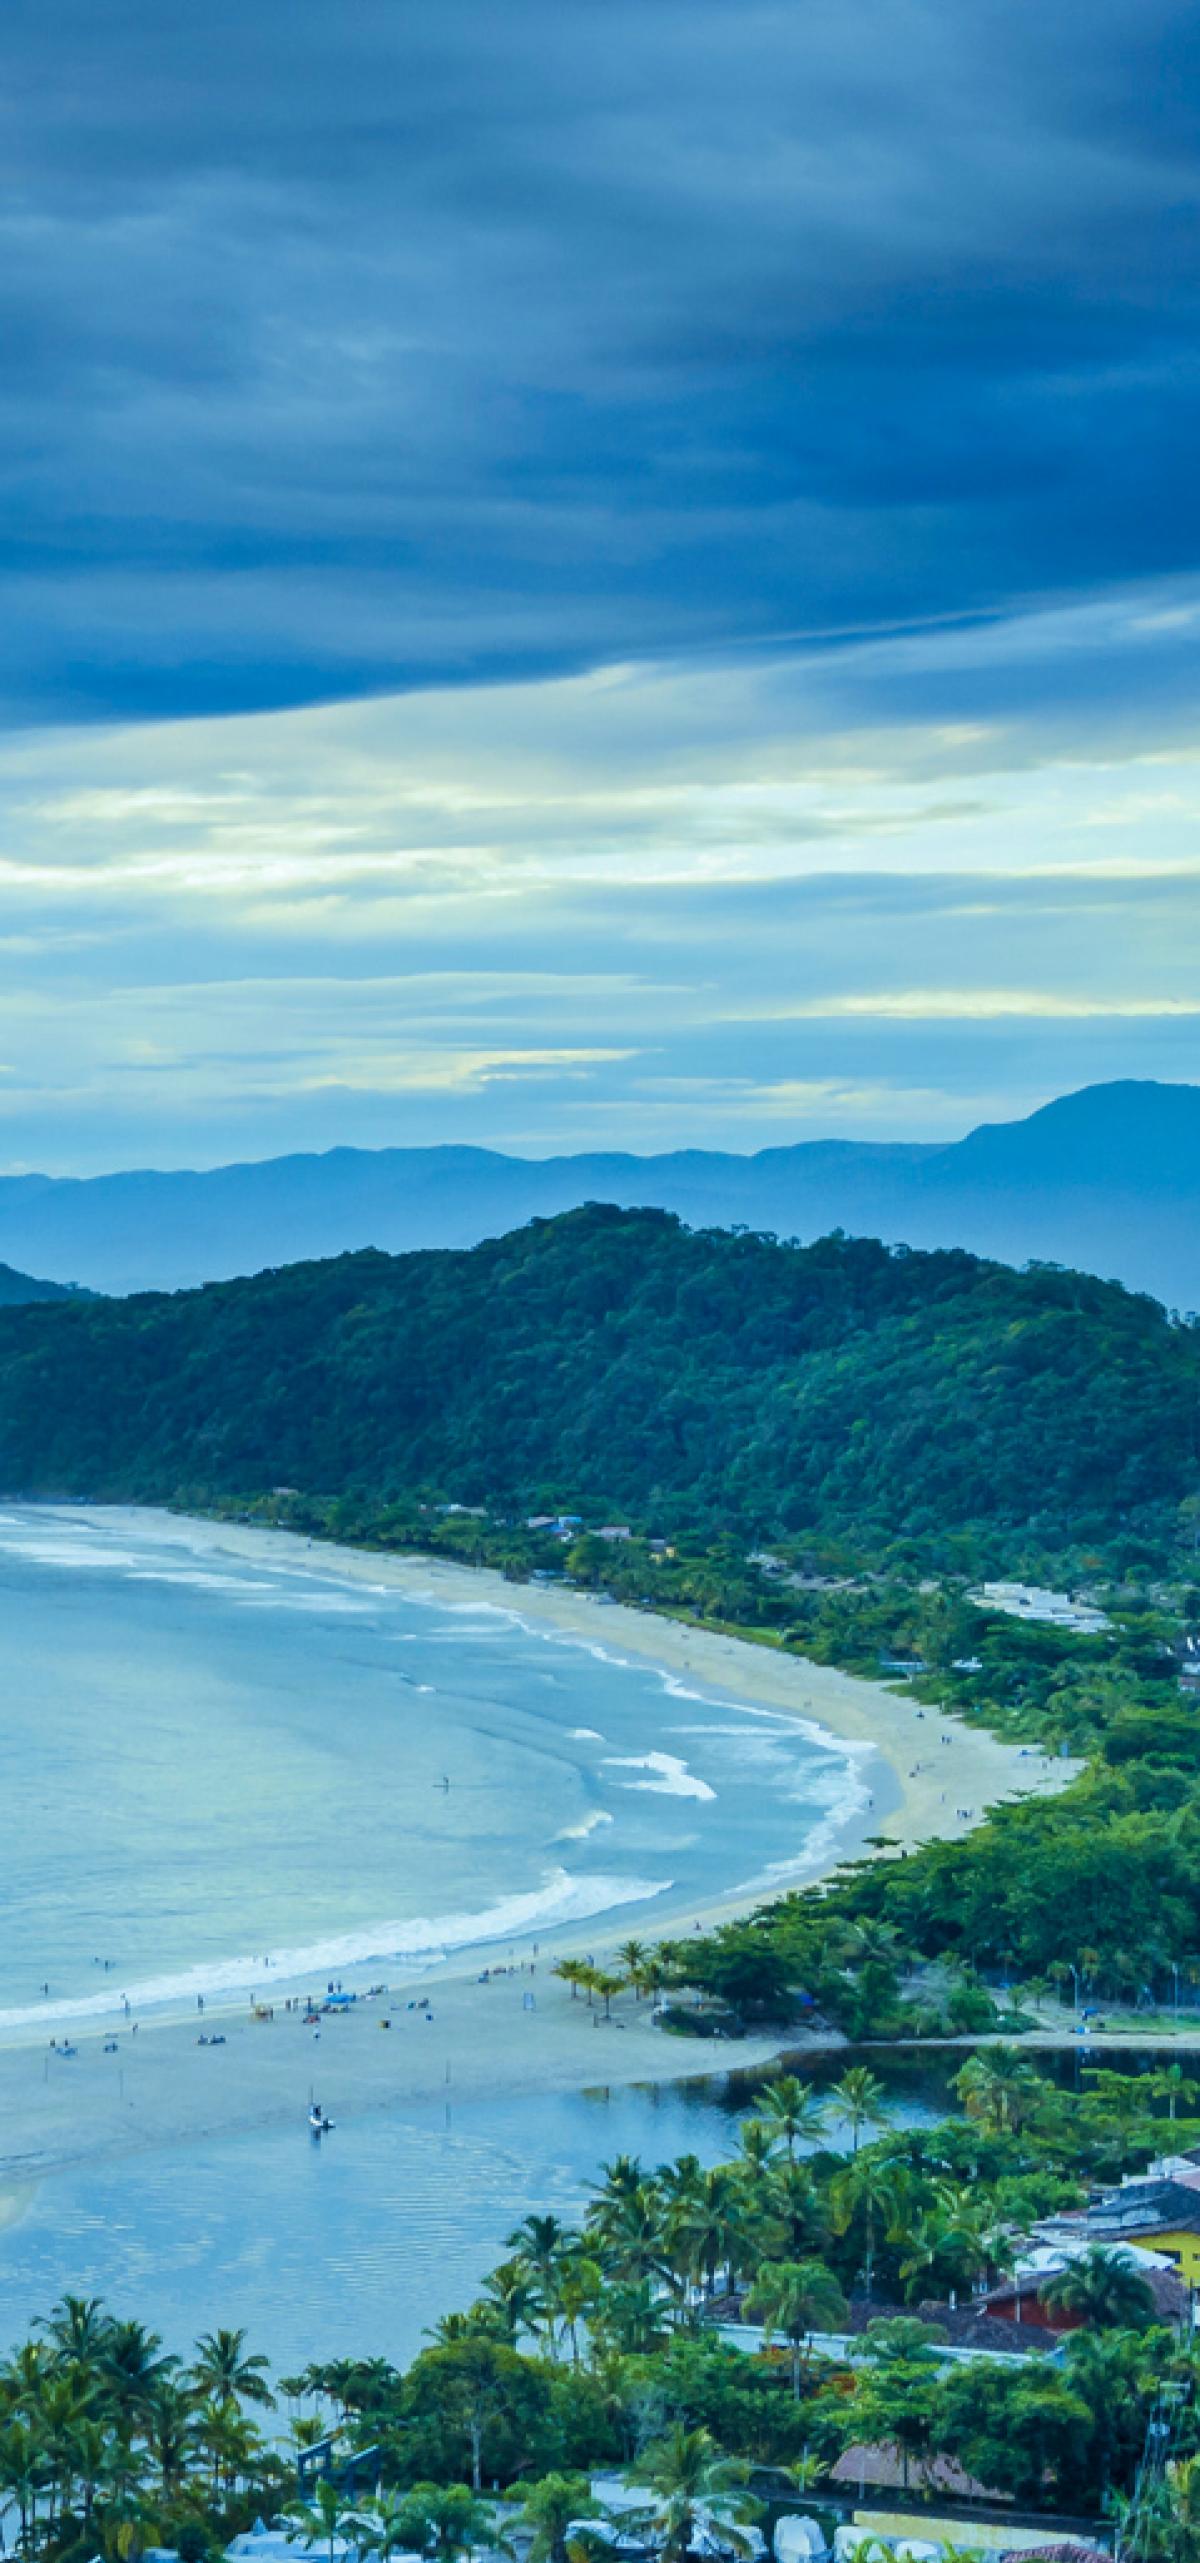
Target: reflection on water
358,2243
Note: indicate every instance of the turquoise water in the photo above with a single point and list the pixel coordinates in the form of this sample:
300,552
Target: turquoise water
217,1752
223,1770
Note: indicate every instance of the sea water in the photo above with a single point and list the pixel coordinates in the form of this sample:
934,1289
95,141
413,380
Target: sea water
227,1763
227,1766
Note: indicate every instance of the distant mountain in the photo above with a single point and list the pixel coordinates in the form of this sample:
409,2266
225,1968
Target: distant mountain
610,1358
17,1290
1107,1180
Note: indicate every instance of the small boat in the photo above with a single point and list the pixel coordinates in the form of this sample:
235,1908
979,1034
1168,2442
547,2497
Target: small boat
319,2124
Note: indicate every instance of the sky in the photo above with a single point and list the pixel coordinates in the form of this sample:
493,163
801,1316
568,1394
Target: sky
596,573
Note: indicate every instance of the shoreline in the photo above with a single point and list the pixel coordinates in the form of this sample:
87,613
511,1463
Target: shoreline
520,2030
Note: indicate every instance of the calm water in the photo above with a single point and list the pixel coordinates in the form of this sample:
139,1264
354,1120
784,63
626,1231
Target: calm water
360,2243
210,1761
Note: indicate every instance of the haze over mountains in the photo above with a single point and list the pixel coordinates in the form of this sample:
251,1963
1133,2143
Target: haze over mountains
1107,1179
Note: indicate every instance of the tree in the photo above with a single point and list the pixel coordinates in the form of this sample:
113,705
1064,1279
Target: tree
792,2113
797,2298
868,2195
860,2097
472,2392
442,2520
513,2293
634,1955
1170,2083
1013,2429
550,2508
689,2476
1001,2089
326,2519
224,2370
896,2396
577,2288
1103,2289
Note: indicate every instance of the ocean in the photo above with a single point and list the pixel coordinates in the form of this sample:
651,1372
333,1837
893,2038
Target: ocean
225,1774
229,1765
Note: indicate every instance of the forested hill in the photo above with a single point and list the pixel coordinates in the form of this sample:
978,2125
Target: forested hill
616,1363
17,1289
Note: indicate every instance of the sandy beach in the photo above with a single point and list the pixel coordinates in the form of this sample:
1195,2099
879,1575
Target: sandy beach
520,2029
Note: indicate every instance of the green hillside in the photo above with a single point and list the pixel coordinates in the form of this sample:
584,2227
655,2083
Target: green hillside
18,1290
615,1361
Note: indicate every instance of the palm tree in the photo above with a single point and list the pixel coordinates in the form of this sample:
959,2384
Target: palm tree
633,1955
231,2442
135,2365
756,2144
577,2289
870,2192
1170,2083
551,2507
387,2520
22,2475
444,2520
792,2113
1002,2089
860,2096
702,2225
797,2298
77,2327
573,1972
1103,2289
170,2434
628,2227
687,2473
326,2519
224,2371
606,1985
540,2242
513,2291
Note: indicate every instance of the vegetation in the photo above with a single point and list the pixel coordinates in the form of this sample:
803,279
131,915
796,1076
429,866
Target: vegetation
710,1383
824,1447
594,2347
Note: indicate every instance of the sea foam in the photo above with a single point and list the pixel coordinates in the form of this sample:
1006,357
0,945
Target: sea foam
407,1941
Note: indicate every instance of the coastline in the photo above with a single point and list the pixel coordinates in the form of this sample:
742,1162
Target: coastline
521,2030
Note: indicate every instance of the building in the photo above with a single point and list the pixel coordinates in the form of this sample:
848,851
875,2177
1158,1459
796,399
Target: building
1034,1602
1163,2212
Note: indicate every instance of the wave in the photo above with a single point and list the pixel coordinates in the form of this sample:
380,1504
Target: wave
588,1825
407,1941
844,1802
672,1778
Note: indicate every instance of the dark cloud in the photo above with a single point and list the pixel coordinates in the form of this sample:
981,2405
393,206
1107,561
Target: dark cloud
360,347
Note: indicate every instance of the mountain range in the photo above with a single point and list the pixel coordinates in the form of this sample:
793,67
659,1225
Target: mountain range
1106,1180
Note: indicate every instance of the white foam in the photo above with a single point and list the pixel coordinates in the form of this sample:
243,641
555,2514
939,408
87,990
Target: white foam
671,1777
587,1735
846,1795
409,1940
579,1832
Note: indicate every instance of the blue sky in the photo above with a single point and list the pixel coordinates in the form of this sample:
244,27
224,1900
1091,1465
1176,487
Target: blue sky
612,574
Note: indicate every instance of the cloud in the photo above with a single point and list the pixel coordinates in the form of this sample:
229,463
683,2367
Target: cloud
672,905
349,352
988,1005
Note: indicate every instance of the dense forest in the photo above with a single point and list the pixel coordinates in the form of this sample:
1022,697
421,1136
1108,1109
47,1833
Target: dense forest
618,1363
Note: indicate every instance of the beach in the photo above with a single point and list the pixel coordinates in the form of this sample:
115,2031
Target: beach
497,2022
